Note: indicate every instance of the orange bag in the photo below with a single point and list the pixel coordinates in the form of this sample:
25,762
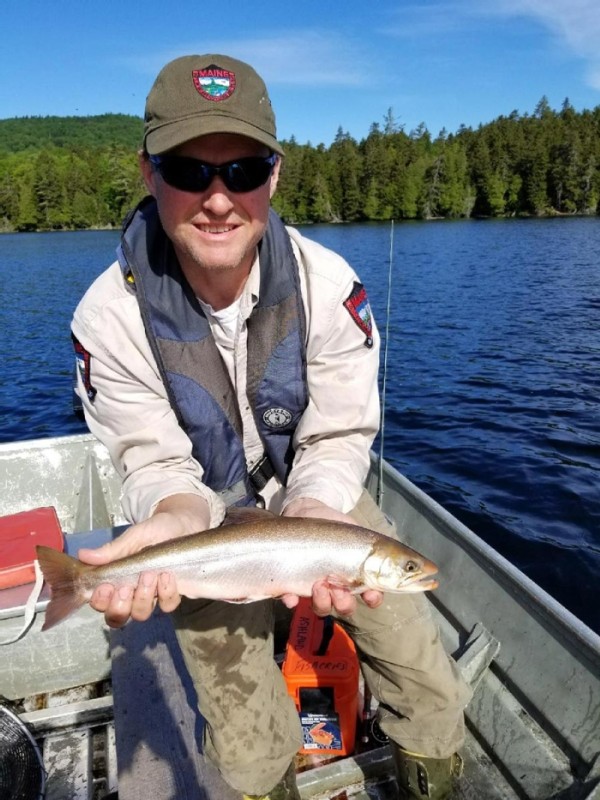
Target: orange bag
321,672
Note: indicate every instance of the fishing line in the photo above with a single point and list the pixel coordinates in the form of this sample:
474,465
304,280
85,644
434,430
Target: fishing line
385,359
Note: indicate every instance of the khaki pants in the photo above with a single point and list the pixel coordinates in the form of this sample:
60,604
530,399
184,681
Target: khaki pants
253,731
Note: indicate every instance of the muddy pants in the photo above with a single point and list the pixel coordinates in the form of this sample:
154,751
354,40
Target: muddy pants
253,730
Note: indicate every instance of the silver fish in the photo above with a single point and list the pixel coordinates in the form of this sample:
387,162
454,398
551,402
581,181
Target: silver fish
253,556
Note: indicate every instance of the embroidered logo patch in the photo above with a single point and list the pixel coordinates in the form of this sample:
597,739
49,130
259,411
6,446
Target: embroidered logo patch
83,361
359,309
277,417
214,83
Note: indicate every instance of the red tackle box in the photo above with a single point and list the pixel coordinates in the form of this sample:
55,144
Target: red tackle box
19,535
321,671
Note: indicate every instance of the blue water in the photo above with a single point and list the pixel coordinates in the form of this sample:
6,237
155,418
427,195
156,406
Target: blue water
493,371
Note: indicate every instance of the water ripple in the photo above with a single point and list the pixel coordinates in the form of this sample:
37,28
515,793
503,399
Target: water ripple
494,371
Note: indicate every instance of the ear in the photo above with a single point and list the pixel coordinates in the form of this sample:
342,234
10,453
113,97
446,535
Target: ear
147,171
274,179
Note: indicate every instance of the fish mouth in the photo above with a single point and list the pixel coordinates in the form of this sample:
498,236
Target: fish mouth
423,584
428,583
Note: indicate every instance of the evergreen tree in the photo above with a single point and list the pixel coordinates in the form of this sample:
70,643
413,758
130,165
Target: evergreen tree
48,188
82,172
456,197
346,195
377,167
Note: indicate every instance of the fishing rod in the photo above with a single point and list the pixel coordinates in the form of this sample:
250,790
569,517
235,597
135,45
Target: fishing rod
385,358
369,727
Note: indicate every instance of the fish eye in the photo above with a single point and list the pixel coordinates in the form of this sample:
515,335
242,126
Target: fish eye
411,566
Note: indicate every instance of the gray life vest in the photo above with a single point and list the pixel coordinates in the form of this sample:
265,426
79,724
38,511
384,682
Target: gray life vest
195,376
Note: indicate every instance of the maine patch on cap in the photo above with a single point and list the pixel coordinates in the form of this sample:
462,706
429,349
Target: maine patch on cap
214,82
357,304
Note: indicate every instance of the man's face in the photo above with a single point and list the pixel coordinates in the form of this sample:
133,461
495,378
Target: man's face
215,229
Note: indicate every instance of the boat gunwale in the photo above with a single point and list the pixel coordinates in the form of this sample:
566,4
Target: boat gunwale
546,607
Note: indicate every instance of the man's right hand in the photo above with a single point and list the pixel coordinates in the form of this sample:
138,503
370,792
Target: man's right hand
174,517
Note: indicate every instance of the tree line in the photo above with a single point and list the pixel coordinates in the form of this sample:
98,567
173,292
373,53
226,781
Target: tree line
64,173
81,172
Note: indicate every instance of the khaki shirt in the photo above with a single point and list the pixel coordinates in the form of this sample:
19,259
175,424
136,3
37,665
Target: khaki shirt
132,416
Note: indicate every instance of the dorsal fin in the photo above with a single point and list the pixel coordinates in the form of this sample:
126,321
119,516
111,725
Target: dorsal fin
237,515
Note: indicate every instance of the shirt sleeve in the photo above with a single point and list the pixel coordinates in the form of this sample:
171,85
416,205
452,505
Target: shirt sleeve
127,409
334,436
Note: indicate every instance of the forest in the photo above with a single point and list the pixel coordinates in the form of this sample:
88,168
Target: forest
65,173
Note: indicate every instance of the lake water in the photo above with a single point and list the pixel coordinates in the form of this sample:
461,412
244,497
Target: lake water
493,371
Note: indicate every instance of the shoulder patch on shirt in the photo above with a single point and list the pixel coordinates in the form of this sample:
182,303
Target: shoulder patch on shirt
357,305
83,361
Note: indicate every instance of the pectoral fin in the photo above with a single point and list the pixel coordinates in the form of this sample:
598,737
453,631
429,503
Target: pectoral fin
339,582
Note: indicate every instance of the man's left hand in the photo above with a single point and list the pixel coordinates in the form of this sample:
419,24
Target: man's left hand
326,598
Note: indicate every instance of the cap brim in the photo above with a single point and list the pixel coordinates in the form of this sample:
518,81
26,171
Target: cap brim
173,134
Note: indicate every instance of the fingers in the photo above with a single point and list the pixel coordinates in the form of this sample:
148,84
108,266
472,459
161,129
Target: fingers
114,602
326,599
101,597
372,598
290,600
168,596
153,588
156,529
120,604
124,545
144,597
100,555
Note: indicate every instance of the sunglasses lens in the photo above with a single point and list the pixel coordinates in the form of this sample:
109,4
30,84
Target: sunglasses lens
191,175
185,174
246,174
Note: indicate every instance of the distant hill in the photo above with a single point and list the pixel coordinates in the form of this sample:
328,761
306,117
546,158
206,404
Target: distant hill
24,133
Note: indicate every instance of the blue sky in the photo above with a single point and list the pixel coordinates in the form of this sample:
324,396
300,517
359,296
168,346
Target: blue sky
327,64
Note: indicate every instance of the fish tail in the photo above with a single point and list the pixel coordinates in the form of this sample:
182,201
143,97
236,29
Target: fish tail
62,573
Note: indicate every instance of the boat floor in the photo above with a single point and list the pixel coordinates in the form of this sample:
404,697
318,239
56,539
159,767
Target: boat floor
81,729
78,744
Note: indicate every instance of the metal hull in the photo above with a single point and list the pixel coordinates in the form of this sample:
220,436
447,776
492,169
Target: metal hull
534,722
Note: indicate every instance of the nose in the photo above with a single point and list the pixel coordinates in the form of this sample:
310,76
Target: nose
216,198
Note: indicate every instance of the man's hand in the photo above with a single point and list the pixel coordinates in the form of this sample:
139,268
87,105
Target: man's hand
175,516
325,598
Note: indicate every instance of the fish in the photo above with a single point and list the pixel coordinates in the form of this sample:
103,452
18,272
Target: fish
253,556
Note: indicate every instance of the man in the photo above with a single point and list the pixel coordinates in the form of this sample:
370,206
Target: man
225,359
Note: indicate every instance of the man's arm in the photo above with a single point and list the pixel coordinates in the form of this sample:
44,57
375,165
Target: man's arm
334,436
126,405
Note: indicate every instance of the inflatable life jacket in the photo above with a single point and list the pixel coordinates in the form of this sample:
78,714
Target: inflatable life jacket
196,378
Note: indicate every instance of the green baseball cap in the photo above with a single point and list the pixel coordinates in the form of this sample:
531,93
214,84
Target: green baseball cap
196,95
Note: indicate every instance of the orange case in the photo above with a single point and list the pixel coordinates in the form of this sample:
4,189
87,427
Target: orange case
19,535
321,672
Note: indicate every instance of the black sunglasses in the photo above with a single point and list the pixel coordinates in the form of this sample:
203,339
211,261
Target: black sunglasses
192,175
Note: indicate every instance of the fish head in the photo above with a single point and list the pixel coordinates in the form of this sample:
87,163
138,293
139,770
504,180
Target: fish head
393,567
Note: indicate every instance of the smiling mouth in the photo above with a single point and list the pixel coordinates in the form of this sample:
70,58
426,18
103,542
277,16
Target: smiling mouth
216,229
